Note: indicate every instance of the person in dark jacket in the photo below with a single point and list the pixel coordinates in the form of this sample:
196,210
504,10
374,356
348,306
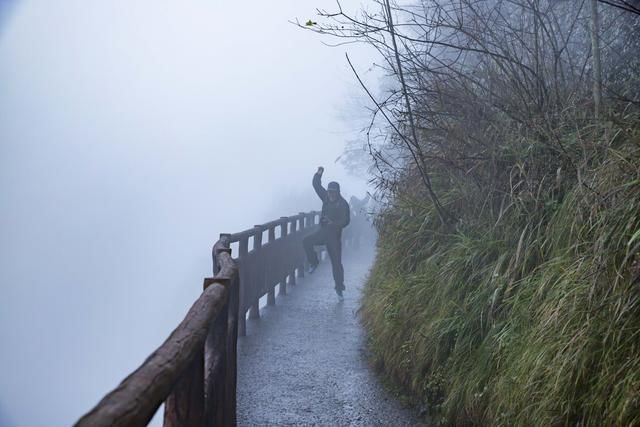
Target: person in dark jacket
334,217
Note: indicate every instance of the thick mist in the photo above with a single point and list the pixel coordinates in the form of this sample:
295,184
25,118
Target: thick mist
131,135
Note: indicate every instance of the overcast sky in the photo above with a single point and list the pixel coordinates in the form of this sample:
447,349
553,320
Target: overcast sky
131,135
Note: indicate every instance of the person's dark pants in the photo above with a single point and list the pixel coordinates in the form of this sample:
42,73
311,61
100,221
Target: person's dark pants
332,240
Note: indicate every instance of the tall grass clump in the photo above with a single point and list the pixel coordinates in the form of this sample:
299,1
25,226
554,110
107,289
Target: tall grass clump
533,319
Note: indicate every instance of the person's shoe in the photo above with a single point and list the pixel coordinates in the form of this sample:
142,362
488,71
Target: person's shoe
311,268
339,293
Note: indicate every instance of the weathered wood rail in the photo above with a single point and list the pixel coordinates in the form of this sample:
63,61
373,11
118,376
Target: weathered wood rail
194,371
275,258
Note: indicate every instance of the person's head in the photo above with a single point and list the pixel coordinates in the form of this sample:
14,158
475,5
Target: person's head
333,191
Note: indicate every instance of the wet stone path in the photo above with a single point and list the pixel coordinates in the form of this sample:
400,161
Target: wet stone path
304,361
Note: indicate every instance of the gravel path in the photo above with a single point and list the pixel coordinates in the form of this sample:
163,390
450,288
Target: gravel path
304,362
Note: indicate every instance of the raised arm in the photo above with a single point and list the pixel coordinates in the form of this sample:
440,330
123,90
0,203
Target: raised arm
317,184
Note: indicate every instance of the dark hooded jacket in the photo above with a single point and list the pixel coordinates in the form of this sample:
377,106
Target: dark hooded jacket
337,212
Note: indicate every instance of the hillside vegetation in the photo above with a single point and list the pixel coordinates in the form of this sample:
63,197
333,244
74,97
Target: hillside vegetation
527,314
506,154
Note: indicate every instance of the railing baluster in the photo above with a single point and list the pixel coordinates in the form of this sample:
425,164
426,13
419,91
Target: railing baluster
232,354
291,245
283,278
215,363
303,259
271,296
284,227
221,347
243,251
257,277
185,405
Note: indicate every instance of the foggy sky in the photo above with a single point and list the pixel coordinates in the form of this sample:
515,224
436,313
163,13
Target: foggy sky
131,135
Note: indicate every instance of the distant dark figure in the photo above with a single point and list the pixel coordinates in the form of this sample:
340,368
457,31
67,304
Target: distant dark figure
359,219
335,216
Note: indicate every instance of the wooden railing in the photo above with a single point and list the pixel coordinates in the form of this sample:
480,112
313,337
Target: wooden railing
274,258
194,371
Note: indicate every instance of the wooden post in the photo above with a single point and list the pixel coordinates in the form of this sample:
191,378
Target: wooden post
254,311
303,266
283,287
243,250
293,231
285,233
271,296
185,405
224,237
216,364
232,352
283,280
310,221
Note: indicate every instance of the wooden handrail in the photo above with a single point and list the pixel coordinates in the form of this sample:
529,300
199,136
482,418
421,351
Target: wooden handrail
276,261
194,370
138,397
